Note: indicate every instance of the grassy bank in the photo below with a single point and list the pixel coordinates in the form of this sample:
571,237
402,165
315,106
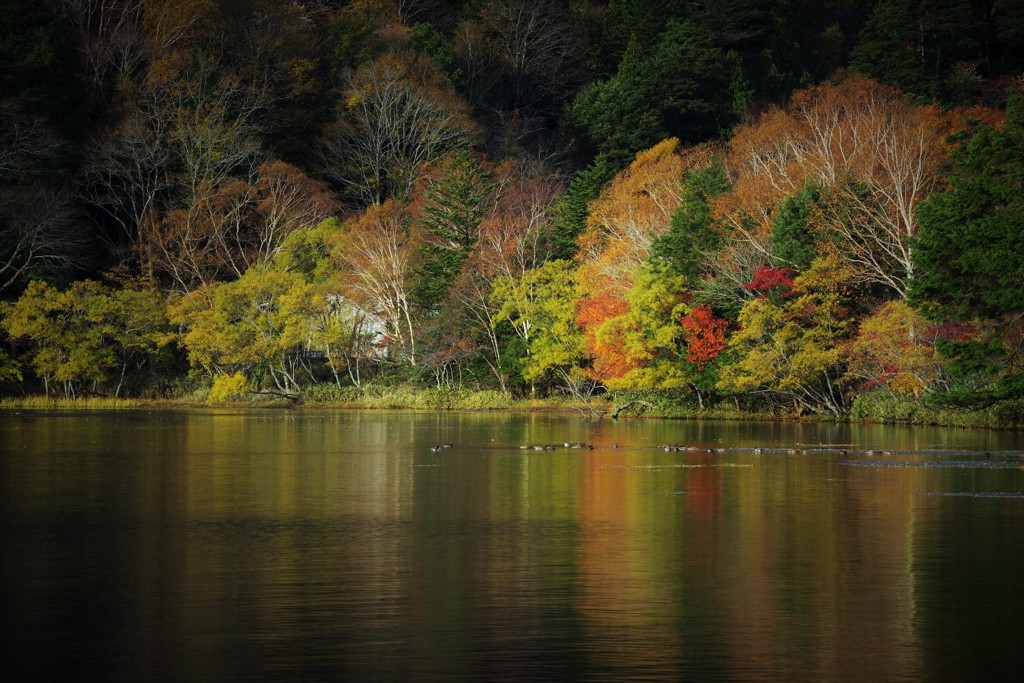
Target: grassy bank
80,403
887,409
877,407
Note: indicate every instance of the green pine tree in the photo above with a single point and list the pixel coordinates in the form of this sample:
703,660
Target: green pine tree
456,203
793,242
691,235
571,208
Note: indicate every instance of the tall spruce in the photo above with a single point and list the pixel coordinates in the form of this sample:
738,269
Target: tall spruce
457,201
571,208
691,237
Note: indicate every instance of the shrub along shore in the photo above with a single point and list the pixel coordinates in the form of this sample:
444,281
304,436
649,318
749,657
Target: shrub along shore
877,407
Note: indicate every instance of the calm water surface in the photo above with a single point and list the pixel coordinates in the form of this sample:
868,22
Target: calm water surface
213,546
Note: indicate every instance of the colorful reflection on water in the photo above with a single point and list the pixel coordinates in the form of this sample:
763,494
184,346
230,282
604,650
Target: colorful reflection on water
284,546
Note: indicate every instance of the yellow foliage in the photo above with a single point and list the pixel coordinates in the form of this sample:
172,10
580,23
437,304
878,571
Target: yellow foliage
635,208
893,348
228,388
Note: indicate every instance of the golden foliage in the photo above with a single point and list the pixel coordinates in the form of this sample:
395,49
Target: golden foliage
635,208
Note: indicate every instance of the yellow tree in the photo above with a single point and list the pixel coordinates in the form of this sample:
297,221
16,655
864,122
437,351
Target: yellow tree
790,344
83,335
635,208
240,326
895,349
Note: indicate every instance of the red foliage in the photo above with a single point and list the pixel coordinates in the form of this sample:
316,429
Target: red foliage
769,280
954,331
705,335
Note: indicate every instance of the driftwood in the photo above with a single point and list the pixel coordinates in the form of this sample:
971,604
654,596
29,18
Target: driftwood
280,394
629,404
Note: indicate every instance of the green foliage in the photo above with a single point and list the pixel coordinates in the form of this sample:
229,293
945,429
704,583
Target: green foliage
457,200
793,244
425,37
968,247
10,369
918,44
885,408
330,394
571,207
691,237
678,88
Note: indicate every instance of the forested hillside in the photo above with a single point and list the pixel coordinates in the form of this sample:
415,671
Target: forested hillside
792,206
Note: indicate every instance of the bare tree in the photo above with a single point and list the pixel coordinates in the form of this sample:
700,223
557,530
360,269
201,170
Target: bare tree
39,234
110,38
396,116
375,260
230,227
533,40
190,130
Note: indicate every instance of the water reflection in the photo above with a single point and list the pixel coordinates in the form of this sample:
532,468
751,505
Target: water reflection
280,546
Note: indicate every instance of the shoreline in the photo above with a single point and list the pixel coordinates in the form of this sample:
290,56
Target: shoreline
913,413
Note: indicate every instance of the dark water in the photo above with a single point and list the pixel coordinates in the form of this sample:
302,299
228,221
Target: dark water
338,546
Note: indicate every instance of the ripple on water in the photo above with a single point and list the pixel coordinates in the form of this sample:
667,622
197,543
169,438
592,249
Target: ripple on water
937,464
975,494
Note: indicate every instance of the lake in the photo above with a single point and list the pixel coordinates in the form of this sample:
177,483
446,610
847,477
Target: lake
287,545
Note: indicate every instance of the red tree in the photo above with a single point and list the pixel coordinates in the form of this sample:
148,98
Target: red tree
705,336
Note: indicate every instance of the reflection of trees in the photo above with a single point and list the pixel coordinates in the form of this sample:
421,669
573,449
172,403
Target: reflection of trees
749,570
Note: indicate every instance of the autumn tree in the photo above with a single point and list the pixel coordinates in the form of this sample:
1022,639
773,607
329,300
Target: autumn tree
89,335
374,256
641,347
396,115
232,226
895,349
704,334
873,157
110,39
192,130
535,47
317,313
241,326
791,348
540,306
633,210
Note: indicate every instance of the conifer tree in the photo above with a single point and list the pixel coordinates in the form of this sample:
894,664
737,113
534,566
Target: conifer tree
457,201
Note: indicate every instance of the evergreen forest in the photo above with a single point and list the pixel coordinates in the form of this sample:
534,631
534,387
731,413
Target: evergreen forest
776,207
